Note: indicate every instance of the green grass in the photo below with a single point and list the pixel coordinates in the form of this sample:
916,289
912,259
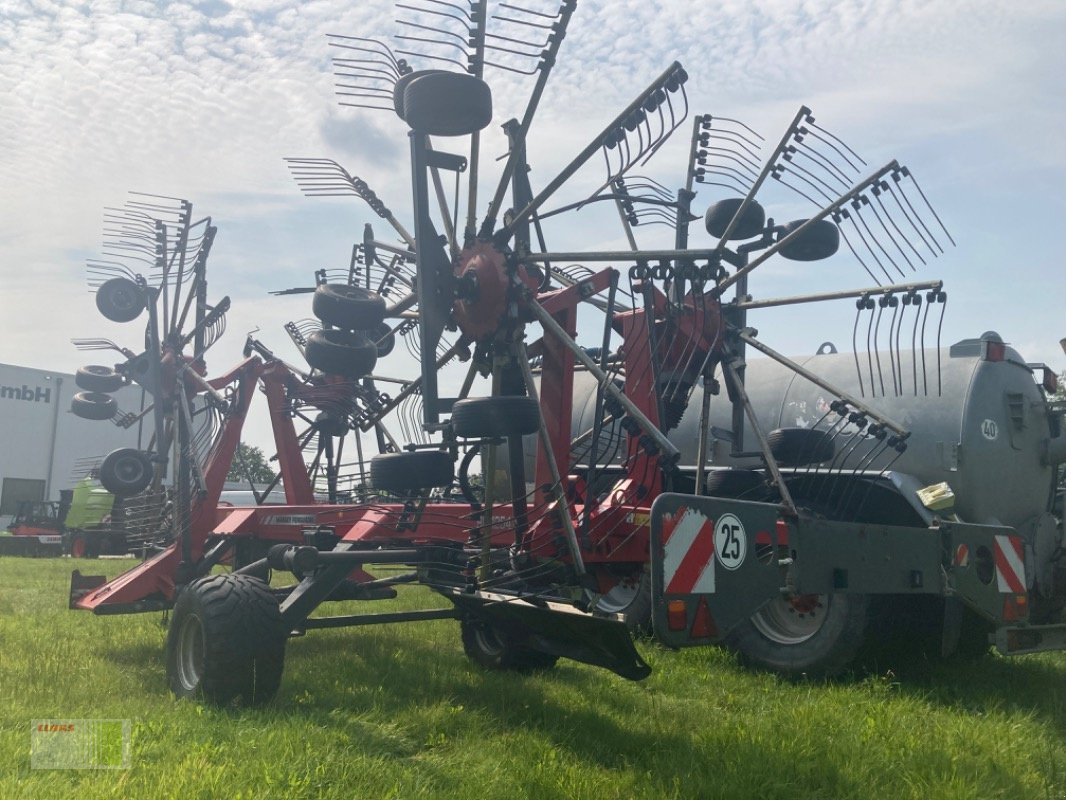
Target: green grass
398,711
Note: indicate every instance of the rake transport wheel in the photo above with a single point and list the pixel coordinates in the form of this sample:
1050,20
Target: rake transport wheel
447,104
93,405
491,648
816,636
96,378
226,642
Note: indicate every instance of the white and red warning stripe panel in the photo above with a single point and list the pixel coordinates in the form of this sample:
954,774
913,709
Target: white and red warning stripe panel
688,545
1010,563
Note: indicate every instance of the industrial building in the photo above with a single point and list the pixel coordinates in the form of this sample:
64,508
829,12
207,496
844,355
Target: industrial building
43,446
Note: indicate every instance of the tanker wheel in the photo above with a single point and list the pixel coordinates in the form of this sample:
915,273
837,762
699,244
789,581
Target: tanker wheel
818,636
349,307
630,597
491,417
93,405
226,642
98,378
491,648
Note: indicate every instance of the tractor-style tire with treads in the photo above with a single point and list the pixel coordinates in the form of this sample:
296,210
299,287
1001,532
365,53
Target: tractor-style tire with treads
226,642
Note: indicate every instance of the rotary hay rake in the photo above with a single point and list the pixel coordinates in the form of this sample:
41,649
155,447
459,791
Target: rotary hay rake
587,524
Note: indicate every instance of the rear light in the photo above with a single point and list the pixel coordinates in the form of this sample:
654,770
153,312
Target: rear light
703,626
995,351
676,615
1050,381
1015,607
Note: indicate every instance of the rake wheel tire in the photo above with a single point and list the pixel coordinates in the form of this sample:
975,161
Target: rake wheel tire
350,307
493,417
720,214
97,378
740,483
93,405
126,472
447,104
331,424
798,447
414,471
120,300
346,353
384,339
491,648
400,87
819,241
226,642
822,643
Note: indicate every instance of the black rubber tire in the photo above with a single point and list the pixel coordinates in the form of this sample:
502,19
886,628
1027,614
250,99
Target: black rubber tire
631,597
720,214
819,241
98,378
820,651
491,648
350,307
226,642
93,405
447,104
384,339
744,484
346,353
126,472
120,300
413,471
798,447
491,417
400,87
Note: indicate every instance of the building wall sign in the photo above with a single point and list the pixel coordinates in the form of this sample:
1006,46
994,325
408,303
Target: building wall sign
32,394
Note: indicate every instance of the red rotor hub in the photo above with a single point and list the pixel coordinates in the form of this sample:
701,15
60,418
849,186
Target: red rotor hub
483,289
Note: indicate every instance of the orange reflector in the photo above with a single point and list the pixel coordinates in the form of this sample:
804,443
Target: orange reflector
676,615
995,351
703,626
1015,607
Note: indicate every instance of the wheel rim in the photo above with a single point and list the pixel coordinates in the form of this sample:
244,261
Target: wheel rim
190,660
792,620
620,597
129,470
488,641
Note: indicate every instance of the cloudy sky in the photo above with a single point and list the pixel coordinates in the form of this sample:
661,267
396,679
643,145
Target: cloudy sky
202,100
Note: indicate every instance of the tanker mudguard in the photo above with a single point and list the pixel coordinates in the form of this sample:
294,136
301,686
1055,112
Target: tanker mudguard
715,562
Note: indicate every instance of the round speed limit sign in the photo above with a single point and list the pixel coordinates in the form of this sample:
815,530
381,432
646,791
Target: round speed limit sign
730,541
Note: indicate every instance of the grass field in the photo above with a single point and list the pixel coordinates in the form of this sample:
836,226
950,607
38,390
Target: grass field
398,711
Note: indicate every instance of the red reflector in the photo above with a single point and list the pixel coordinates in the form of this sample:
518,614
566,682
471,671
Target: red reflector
782,533
1050,382
676,615
1015,607
703,626
995,351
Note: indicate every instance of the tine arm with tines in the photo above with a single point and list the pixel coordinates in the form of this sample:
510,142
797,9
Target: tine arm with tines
673,77
323,177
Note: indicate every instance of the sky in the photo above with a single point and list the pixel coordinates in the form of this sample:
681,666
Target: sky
203,100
